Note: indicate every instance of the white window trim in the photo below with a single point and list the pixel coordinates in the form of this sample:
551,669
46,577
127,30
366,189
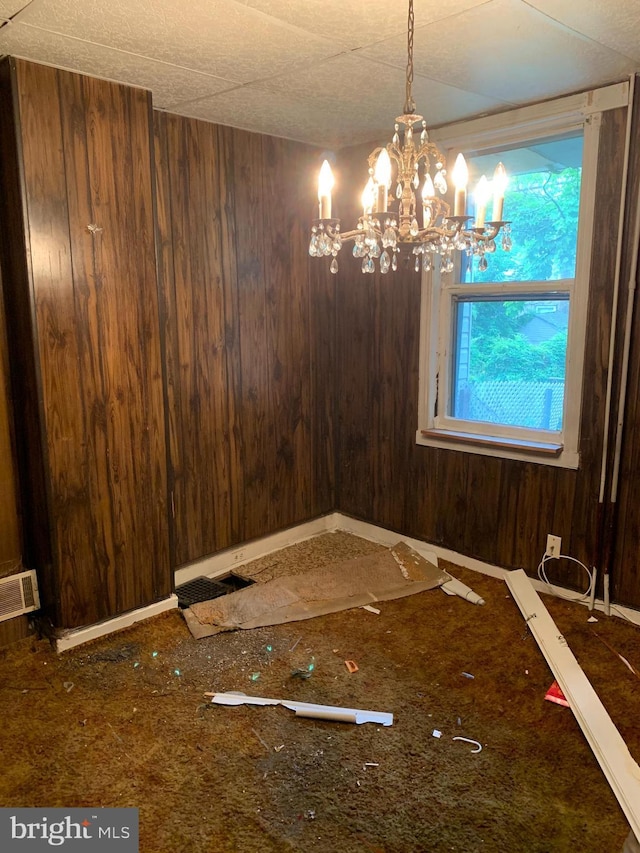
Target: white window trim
578,112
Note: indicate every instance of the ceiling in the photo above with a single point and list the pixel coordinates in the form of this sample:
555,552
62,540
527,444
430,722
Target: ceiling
331,72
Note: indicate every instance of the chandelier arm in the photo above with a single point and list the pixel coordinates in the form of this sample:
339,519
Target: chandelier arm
351,235
490,231
395,152
374,156
434,232
439,207
430,149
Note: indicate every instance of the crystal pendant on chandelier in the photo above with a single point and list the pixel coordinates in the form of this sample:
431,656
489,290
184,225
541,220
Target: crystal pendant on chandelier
389,238
440,182
397,213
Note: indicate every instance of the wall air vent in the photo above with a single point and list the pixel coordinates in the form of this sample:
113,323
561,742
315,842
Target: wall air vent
18,595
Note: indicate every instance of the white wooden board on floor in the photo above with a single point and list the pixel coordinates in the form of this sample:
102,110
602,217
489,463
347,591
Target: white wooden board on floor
612,753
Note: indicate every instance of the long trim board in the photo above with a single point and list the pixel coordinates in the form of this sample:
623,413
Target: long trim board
622,772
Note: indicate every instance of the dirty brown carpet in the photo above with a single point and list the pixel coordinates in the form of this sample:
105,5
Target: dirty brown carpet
123,722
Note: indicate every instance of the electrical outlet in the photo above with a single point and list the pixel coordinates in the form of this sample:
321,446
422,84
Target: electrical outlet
553,545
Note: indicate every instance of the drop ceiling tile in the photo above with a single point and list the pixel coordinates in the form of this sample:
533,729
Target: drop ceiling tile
507,50
345,83
8,8
168,83
306,107
616,25
218,37
272,113
356,23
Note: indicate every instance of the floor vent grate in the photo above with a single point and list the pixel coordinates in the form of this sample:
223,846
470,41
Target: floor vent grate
204,589
18,595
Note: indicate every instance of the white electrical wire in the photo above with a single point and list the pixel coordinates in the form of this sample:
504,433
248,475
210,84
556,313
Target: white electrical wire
543,577
589,594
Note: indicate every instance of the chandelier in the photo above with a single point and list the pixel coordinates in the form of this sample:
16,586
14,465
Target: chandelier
428,229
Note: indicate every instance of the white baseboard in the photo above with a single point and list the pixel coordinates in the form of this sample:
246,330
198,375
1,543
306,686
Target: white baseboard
100,629
383,536
224,561
501,573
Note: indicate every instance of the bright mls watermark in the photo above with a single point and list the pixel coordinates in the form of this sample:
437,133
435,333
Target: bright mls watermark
80,830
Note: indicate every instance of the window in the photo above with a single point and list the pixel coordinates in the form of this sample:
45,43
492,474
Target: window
502,340
509,361
509,351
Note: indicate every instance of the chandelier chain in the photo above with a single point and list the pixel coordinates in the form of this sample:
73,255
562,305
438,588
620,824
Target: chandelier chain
409,105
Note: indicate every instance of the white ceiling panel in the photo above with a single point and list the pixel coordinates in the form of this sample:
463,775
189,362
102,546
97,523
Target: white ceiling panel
249,107
616,25
332,72
8,8
353,116
507,47
169,83
218,37
355,23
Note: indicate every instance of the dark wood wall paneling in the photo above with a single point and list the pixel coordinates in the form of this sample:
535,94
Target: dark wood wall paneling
249,335
496,510
85,342
253,336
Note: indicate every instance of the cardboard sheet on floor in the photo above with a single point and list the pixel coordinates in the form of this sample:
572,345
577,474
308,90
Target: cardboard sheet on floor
393,573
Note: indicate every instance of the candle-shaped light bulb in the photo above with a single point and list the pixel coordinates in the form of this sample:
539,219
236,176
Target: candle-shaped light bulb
460,177
325,185
428,192
481,196
368,196
382,177
500,182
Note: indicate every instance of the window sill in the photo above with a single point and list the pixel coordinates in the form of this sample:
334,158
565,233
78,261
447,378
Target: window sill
543,453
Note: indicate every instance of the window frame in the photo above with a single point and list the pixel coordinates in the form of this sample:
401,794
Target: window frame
437,336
